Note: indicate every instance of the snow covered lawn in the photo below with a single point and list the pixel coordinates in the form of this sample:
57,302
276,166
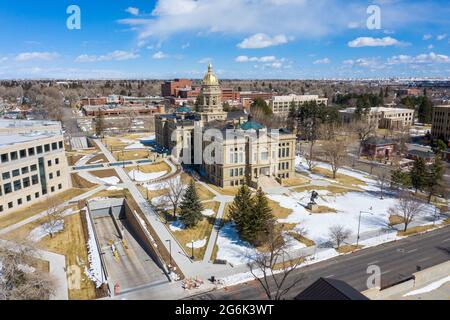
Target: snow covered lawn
110,180
44,230
140,176
344,209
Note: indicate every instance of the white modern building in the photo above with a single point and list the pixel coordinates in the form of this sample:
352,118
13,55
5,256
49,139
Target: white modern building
33,165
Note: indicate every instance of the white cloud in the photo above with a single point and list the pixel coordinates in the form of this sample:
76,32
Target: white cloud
160,55
441,37
185,45
294,17
322,61
430,47
348,62
46,56
427,37
255,59
205,60
262,40
299,18
425,58
374,42
132,10
265,61
117,55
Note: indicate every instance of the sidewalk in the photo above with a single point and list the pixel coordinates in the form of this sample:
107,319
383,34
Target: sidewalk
183,262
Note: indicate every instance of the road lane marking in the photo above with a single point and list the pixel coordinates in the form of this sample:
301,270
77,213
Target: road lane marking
424,259
331,275
448,239
413,250
374,262
387,271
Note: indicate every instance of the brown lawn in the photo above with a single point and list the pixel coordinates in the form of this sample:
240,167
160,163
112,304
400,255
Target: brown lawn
81,183
19,215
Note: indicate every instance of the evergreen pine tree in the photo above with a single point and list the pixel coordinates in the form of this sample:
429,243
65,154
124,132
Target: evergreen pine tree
435,173
241,208
418,174
262,218
191,207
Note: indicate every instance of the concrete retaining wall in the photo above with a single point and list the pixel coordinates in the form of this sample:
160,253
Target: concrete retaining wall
419,280
104,208
145,239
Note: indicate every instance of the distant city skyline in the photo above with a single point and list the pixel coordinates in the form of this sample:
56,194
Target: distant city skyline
243,39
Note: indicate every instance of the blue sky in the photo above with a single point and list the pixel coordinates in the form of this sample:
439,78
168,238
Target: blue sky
277,39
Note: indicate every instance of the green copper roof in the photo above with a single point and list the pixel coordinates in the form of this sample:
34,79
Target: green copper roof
183,110
251,125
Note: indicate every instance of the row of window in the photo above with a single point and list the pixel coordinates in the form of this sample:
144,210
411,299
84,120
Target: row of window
30,152
235,183
283,175
236,172
24,170
28,198
24,183
283,166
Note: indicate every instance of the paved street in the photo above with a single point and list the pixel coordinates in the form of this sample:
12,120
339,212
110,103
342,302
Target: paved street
397,260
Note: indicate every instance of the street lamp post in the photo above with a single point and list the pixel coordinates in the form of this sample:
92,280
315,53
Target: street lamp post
170,252
123,160
192,243
359,225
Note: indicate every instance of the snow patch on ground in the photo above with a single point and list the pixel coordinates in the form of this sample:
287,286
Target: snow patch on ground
114,188
161,185
230,247
135,146
208,212
177,225
110,180
197,244
44,230
140,176
94,272
432,286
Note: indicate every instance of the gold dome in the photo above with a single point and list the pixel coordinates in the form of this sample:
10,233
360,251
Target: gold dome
210,78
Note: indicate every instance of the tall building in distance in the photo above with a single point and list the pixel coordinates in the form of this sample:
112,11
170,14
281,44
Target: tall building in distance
243,150
33,164
440,122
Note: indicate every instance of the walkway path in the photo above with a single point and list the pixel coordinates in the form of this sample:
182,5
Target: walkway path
183,261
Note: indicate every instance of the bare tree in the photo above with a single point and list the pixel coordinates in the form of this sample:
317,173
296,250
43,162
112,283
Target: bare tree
338,234
382,180
176,190
308,152
408,207
363,129
273,268
18,279
335,152
54,217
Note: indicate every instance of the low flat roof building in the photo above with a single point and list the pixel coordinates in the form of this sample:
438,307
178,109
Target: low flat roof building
282,104
386,118
33,163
